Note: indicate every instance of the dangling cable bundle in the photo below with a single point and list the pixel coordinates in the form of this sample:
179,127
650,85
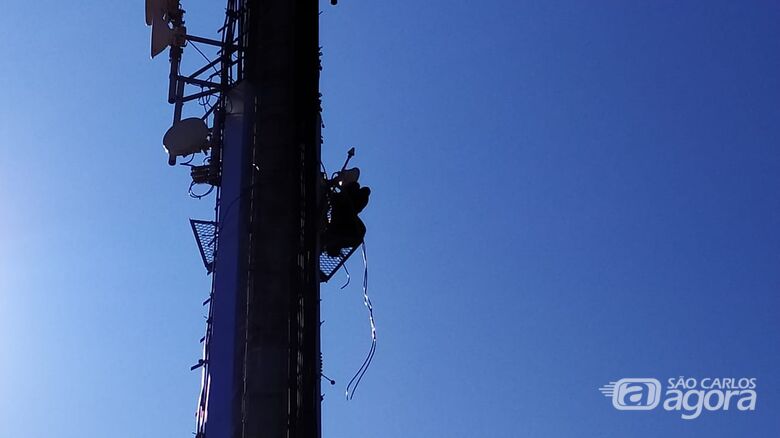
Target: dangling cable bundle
349,277
350,393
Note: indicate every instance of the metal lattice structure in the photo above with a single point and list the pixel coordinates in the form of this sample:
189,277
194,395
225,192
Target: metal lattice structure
206,238
329,265
261,368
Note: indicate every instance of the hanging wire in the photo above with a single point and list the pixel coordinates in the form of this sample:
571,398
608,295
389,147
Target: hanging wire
199,195
206,160
346,271
205,101
351,389
203,55
205,104
187,163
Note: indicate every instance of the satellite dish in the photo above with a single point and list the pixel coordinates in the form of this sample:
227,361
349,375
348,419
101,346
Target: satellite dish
186,137
158,15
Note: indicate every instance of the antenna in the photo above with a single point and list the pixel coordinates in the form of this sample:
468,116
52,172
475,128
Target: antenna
350,154
160,14
160,9
185,137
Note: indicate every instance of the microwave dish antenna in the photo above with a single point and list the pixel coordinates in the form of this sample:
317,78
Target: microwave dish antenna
162,9
164,16
186,137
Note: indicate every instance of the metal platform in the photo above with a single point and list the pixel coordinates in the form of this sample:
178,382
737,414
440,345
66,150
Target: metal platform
329,265
206,238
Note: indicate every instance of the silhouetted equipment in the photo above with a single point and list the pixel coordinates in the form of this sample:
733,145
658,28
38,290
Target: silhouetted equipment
204,174
350,154
346,177
186,137
347,199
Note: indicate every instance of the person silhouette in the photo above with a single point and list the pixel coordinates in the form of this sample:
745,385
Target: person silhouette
347,200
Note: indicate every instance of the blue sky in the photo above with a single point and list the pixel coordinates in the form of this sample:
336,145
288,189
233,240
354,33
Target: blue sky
563,194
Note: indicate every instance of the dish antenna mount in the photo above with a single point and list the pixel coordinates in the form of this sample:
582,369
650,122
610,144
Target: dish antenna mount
196,134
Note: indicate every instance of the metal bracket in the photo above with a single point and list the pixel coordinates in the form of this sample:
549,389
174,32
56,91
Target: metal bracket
206,237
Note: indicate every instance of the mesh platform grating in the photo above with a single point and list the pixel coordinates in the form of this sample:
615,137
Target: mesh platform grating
205,236
329,265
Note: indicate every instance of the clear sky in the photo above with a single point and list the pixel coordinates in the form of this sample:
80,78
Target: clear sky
565,193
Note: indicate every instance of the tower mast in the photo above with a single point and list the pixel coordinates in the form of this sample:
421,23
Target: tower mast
264,347
261,361
281,393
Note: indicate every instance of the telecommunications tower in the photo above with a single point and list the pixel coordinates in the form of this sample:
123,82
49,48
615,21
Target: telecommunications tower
259,141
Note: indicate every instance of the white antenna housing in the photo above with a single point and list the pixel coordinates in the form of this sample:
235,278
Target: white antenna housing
185,137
